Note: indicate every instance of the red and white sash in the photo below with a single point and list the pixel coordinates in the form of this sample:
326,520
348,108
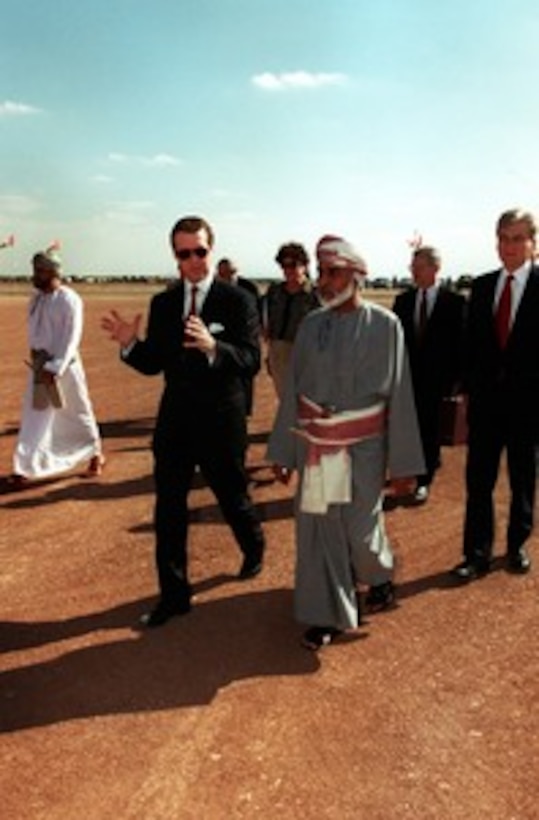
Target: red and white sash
327,477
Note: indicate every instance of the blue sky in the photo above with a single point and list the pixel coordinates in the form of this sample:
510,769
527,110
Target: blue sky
275,119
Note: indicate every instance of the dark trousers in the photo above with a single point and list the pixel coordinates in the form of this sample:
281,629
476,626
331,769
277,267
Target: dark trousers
486,442
428,417
221,461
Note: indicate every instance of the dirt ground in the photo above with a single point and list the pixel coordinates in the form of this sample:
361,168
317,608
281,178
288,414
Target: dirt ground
430,712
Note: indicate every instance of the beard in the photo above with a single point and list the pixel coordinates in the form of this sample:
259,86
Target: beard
338,300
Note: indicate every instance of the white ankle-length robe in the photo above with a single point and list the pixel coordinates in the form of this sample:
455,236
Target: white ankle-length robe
53,440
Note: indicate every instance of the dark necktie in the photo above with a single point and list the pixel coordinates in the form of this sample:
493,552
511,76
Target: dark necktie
503,313
422,321
192,310
193,305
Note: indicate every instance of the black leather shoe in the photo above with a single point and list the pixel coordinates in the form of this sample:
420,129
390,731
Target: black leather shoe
251,567
519,561
470,570
380,597
163,612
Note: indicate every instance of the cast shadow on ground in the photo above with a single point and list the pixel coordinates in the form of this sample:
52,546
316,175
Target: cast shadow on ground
259,438
127,428
437,580
183,664
74,487
19,635
276,510
77,490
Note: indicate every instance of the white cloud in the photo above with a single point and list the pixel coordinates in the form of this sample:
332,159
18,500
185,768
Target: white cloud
134,212
8,108
155,161
18,204
269,81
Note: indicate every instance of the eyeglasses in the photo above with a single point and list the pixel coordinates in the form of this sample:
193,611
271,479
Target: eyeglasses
187,253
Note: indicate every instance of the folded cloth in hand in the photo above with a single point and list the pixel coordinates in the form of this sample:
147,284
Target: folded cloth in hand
46,392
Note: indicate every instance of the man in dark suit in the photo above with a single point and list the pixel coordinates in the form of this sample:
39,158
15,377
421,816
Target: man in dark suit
203,335
432,318
227,270
502,381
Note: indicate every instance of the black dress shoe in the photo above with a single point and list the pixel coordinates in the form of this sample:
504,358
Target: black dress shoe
471,570
163,612
519,561
251,567
380,597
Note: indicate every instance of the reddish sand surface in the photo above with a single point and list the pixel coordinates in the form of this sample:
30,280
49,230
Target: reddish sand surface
431,711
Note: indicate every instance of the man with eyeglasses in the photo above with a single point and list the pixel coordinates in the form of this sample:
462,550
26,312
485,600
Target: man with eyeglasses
203,335
347,418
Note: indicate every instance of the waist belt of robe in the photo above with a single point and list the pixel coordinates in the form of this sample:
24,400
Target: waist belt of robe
327,476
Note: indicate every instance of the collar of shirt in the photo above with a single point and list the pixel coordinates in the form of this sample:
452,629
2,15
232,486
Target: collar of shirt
520,277
430,295
202,291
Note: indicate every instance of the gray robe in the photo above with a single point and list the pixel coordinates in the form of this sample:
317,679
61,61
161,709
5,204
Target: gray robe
348,361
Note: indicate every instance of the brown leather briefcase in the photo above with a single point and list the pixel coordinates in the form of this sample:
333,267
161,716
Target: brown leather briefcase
453,425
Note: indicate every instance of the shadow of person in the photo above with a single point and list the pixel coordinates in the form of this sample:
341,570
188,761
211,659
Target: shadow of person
277,509
77,490
184,663
127,428
437,580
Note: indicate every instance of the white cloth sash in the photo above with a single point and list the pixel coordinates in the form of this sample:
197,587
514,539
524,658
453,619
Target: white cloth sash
327,477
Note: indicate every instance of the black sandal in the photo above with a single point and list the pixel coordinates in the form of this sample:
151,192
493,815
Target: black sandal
380,597
318,636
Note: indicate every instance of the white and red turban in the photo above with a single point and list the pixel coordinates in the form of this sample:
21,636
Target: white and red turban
48,260
338,253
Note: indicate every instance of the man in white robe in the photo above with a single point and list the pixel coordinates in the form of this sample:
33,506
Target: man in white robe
346,422
58,427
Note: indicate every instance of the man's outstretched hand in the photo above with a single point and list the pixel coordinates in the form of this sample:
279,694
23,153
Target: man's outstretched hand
119,329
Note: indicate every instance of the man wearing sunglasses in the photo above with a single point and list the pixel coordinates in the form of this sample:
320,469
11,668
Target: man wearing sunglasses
203,335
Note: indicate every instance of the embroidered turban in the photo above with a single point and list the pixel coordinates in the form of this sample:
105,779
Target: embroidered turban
47,261
338,253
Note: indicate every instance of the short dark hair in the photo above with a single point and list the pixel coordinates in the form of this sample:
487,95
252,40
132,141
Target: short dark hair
192,224
517,215
428,252
294,251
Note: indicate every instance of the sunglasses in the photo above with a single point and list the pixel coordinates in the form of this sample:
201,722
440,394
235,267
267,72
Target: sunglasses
187,253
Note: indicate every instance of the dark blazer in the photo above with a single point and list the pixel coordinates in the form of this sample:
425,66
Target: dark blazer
201,421
436,363
249,287
194,389
512,375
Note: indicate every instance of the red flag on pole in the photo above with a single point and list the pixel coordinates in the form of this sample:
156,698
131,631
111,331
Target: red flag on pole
8,243
416,241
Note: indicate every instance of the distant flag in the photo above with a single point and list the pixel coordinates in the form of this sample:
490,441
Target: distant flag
54,246
8,242
415,241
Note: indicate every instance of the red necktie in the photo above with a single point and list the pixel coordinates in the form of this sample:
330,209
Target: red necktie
503,313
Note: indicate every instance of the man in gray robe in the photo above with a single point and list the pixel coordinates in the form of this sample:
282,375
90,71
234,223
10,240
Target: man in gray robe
346,422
